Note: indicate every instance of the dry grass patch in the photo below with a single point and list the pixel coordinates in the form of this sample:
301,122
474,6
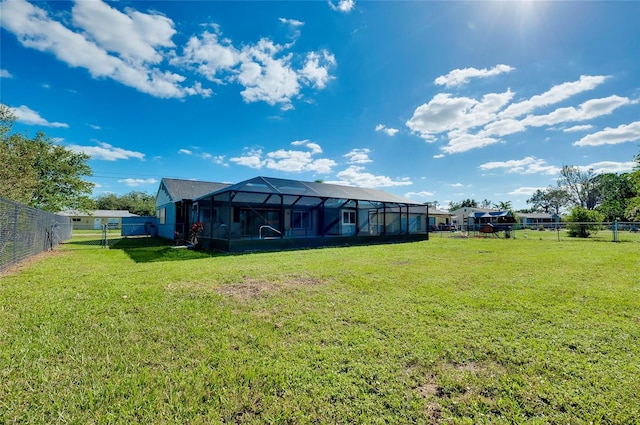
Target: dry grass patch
458,385
253,288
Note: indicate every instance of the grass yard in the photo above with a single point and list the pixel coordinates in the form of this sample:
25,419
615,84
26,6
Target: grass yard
448,331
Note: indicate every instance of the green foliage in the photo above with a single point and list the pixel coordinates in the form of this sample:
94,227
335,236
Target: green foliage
581,186
550,200
140,203
502,332
584,222
467,203
632,211
40,173
616,191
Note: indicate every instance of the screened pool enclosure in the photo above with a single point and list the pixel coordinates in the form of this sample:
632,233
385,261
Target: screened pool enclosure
271,214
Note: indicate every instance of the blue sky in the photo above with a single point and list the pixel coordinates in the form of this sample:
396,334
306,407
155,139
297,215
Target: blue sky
436,101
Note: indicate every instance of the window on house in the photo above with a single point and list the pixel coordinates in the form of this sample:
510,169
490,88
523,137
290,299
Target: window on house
162,215
300,220
76,220
348,217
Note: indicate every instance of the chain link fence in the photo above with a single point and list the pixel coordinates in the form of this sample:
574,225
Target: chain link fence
27,231
617,231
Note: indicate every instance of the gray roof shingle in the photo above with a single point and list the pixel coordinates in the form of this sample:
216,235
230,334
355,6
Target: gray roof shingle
179,189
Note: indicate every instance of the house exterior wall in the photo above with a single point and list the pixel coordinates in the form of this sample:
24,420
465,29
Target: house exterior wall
95,223
166,214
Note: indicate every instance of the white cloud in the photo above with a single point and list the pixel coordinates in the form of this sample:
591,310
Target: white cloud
554,95
528,165
612,136
577,128
209,55
185,152
95,127
103,51
137,182
423,194
291,161
466,123
343,5
294,26
316,69
387,130
525,191
465,142
26,115
458,77
609,167
265,69
219,160
315,148
438,156
291,22
445,113
136,49
456,185
588,110
5,74
265,77
357,176
358,156
106,152
131,35
251,159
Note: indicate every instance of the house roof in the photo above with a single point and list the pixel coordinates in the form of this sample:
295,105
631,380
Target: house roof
179,189
277,186
537,215
438,212
98,213
492,214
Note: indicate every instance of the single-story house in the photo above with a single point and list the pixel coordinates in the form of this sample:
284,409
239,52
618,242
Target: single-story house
472,219
94,220
174,202
538,220
441,220
265,213
460,217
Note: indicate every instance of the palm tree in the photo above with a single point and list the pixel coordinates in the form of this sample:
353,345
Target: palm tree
503,206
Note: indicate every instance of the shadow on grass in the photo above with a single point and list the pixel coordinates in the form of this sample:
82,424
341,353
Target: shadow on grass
151,250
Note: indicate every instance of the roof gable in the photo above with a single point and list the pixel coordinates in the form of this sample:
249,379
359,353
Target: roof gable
179,189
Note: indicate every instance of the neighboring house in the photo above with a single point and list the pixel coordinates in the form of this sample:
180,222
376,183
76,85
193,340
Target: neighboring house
94,220
460,217
440,220
174,201
538,220
471,219
271,214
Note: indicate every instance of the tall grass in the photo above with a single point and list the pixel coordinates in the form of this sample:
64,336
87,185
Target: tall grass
444,331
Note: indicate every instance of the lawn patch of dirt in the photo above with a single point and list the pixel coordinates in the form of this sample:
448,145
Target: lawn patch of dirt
253,288
463,387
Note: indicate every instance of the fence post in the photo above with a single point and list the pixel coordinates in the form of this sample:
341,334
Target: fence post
104,236
616,237
16,215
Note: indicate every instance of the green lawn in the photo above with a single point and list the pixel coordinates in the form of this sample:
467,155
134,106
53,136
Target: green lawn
445,331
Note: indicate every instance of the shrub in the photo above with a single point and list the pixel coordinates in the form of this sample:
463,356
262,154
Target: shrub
582,222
